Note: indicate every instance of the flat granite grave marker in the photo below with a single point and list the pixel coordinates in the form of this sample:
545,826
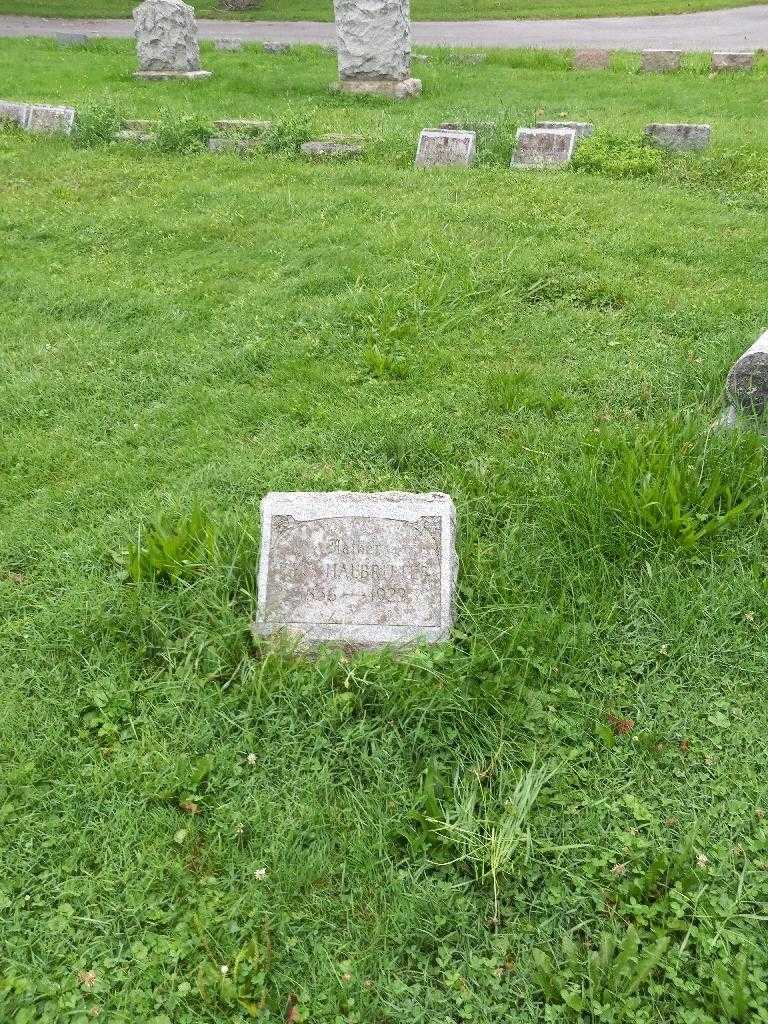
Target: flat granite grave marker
723,60
445,147
331,149
591,60
657,61
71,38
360,570
47,120
228,44
543,147
17,113
679,136
583,129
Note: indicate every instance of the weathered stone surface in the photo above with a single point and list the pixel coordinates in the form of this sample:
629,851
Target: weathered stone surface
16,113
679,136
229,144
166,40
374,39
240,5
276,47
404,90
583,129
328,149
360,570
71,38
655,61
543,147
747,383
50,120
130,135
591,60
445,148
241,126
228,44
726,61
140,124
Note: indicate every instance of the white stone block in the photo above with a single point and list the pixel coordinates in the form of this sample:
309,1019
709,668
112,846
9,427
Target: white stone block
543,147
359,570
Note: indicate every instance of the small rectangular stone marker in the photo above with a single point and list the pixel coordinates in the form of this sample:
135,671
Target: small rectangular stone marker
50,120
725,61
330,149
591,60
655,61
582,128
71,38
228,44
360,570
445,147
543,147
679,136
231,144
276,47
17,113
241,126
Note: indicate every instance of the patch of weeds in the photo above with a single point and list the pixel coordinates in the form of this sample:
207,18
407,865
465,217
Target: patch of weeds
288,132
167,552
618,156
677,484
584,980
740,169
579,289
241,985
186,134
384,366
96,124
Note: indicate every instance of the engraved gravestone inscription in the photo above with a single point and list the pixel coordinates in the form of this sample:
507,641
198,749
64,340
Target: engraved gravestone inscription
363,570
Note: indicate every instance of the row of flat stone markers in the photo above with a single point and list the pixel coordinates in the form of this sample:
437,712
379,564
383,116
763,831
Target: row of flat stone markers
548,144
374,49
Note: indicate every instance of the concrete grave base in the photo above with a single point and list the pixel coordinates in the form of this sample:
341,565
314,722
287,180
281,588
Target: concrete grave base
402,90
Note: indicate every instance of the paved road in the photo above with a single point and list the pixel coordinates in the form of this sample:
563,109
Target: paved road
742,28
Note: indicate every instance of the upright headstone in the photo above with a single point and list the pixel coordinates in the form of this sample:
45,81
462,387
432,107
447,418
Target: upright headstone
591,60
13,112
166,40
47,120
679,136
723,60
583,129
543,147
360,570
374,48
445,147
746,386
655,61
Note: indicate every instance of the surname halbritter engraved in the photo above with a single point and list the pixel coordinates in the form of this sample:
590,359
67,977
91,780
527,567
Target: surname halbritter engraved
355,570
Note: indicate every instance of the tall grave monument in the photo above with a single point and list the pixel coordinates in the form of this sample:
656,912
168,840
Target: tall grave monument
375,48
166,40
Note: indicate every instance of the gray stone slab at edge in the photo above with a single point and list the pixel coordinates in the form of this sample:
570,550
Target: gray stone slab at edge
358,570
746,385
679,136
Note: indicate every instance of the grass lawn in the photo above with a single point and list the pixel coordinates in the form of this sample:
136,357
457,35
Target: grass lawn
556,817
422,10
